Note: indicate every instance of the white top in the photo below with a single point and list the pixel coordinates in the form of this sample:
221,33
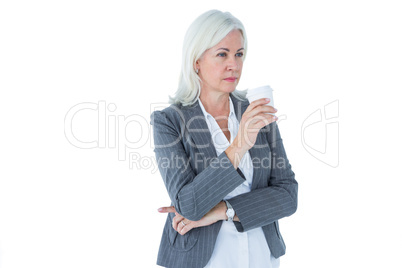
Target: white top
234,249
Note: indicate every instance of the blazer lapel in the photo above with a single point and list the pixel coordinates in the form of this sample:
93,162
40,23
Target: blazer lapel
255,152
197,131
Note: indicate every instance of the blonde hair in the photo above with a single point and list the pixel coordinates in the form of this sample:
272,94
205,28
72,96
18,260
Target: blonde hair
205,32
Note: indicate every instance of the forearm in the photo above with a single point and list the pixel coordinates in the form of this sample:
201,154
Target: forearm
263,206
195,195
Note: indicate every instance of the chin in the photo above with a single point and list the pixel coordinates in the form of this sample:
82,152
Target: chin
227,88
230,89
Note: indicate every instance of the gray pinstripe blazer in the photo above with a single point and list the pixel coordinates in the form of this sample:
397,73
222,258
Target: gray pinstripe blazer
197,179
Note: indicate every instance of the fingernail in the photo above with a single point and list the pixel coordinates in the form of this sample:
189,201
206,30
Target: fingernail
267,99
160,209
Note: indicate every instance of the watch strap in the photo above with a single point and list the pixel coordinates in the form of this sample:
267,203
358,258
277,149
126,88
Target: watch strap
230,218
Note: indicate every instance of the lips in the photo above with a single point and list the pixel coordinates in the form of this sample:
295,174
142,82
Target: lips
230,79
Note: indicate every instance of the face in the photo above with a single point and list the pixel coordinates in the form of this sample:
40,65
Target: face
220,66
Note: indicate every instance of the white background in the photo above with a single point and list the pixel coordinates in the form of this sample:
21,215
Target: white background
64,206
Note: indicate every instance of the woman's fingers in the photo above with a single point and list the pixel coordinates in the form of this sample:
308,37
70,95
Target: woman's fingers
184,226
257,111
170,209
254,124
261,108
267,109
265,119
189,225
176,221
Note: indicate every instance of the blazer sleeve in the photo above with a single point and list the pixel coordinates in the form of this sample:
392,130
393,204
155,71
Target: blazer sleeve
192,195
263,206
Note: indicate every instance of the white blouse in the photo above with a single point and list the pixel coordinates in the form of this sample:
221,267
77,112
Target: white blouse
234,249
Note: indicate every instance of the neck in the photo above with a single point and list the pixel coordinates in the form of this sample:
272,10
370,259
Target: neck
216,104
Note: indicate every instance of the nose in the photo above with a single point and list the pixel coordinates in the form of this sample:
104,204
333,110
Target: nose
232,64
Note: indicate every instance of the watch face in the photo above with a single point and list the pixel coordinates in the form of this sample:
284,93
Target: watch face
230,213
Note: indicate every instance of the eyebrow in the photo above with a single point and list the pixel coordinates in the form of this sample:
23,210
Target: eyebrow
226,49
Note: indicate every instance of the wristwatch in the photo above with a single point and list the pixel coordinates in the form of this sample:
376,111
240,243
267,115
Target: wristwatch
230,211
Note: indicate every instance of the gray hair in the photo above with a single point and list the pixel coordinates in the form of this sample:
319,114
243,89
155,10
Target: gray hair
205,32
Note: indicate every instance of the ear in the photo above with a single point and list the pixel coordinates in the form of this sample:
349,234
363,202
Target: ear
197,65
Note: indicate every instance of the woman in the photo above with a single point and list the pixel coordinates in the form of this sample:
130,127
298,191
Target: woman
221,158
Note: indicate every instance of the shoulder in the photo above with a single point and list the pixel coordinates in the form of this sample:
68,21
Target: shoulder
173,111
173,116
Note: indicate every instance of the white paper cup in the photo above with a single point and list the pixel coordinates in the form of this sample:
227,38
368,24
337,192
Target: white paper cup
261,93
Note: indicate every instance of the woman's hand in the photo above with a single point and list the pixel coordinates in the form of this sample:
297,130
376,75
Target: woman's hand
183,225
253,119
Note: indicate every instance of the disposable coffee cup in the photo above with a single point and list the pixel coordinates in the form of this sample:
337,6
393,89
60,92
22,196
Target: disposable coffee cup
261,93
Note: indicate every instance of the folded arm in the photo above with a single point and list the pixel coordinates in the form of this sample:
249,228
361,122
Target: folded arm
192,195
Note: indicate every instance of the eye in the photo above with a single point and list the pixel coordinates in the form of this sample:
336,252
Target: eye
240,54
222,54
